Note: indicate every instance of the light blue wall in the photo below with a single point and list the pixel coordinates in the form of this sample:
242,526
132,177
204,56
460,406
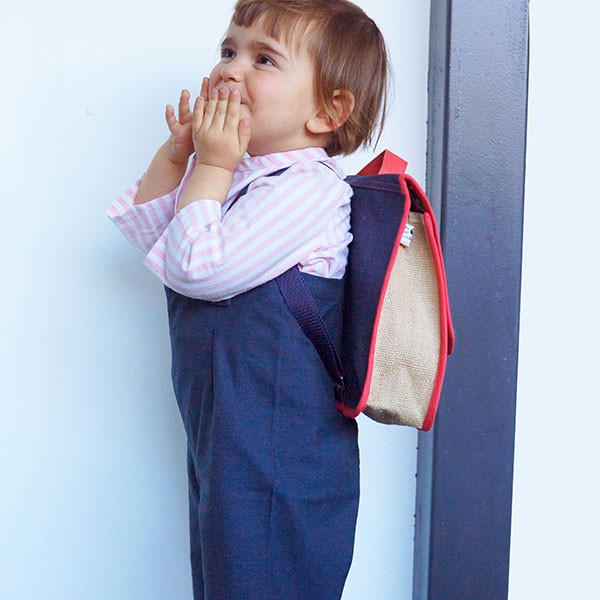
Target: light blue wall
555,522
93,500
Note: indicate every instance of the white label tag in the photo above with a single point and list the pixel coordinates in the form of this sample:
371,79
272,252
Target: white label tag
407,235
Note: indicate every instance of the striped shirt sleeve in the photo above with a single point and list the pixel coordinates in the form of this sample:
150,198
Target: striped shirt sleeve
142,224
279,222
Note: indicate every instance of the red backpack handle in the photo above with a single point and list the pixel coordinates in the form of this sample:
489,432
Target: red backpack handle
386,162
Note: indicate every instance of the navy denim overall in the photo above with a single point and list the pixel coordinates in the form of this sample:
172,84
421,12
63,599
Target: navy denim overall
273,465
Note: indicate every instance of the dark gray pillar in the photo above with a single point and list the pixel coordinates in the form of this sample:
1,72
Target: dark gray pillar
478,74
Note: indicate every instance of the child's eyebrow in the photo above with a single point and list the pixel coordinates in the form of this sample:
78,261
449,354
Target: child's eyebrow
255,45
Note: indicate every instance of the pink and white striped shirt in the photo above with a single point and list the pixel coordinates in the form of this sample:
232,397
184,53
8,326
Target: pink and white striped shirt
301,217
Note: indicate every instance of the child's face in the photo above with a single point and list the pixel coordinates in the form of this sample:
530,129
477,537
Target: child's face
276,89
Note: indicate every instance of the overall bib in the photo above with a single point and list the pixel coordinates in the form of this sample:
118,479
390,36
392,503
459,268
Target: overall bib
273,465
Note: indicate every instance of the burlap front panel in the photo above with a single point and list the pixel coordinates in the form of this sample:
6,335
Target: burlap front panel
408,337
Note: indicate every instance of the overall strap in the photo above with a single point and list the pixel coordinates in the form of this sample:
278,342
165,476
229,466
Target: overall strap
244,190
302,305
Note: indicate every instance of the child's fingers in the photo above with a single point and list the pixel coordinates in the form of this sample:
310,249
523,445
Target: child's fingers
211,106
170,117
221,108
184,107
204,90
244,134
233,111
198,114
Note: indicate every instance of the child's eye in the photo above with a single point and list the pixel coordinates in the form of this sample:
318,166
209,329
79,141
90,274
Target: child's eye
262,56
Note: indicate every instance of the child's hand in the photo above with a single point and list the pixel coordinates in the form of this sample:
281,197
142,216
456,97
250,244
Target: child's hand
220,138
180,144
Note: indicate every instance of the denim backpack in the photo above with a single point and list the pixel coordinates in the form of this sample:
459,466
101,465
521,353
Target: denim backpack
397,330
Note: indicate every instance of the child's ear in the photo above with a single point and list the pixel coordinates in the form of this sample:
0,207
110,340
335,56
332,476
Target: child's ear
343,101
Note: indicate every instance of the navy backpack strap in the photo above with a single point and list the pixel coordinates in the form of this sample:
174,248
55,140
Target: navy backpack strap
302,305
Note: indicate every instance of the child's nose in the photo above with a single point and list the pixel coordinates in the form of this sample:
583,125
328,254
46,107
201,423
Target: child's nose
231,72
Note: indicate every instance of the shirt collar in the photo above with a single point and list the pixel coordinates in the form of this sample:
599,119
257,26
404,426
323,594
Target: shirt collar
277,160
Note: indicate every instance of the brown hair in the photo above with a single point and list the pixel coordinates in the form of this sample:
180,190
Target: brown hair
348,53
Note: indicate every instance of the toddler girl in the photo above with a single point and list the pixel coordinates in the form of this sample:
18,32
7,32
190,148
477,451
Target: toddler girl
273,465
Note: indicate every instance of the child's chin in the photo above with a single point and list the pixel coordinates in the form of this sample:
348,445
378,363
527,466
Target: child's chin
253,149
